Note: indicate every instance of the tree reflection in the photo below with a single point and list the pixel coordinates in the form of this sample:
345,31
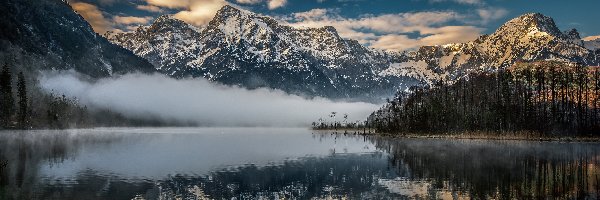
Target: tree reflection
24,152
504,170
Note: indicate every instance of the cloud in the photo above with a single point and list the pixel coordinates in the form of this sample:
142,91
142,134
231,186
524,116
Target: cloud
195,12
590,38
314,14
249,1
274,4
391,31
200,12
489,14
149,8
197,100
93,15
443,35
131,20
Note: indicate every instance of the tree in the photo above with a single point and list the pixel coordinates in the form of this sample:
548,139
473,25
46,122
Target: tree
23,102
7,101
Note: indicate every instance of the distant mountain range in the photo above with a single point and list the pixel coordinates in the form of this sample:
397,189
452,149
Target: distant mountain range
246,49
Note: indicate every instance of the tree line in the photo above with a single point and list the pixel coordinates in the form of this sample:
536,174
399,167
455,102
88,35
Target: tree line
27,106
12,115
548,98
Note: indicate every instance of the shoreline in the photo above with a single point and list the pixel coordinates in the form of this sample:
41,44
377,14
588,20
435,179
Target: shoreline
462,136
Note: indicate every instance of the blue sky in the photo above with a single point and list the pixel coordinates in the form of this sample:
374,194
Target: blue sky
384,24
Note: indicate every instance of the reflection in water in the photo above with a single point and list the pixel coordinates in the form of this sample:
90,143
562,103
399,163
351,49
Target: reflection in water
504,170
286,163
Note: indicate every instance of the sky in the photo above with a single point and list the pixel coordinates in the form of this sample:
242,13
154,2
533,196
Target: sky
381,24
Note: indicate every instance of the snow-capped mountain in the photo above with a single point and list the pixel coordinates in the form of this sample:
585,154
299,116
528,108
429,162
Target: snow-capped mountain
42,35
530,37
242,48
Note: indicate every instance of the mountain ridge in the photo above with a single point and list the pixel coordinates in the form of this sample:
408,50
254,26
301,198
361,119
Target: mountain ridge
245,49
242,48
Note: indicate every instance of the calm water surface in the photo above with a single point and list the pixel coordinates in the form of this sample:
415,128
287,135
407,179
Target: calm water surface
270,163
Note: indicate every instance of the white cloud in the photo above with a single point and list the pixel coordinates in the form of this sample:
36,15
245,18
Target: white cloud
438,36
391,31
274,4
489,14
249,1
200,12
131,20
314,14
590,38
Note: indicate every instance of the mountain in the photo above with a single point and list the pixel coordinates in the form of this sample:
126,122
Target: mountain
242,48
42,35
530,37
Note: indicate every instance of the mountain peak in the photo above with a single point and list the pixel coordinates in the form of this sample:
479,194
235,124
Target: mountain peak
167,20
530,22
228,8
168,23
228,11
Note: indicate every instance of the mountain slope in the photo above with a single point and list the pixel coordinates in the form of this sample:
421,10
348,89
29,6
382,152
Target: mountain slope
50,35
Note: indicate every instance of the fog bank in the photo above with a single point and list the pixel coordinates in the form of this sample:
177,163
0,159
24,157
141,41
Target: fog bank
156,96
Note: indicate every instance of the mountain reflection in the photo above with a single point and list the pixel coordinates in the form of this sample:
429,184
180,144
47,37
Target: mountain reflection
39,165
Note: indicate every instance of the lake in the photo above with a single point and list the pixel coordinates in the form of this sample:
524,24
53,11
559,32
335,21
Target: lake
291,163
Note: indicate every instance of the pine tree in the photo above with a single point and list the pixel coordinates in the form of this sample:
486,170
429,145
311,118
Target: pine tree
23,102
7,98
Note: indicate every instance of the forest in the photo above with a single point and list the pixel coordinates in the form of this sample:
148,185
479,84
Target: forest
547,98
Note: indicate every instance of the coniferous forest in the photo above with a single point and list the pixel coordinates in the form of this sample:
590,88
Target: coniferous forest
546,98
23,105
